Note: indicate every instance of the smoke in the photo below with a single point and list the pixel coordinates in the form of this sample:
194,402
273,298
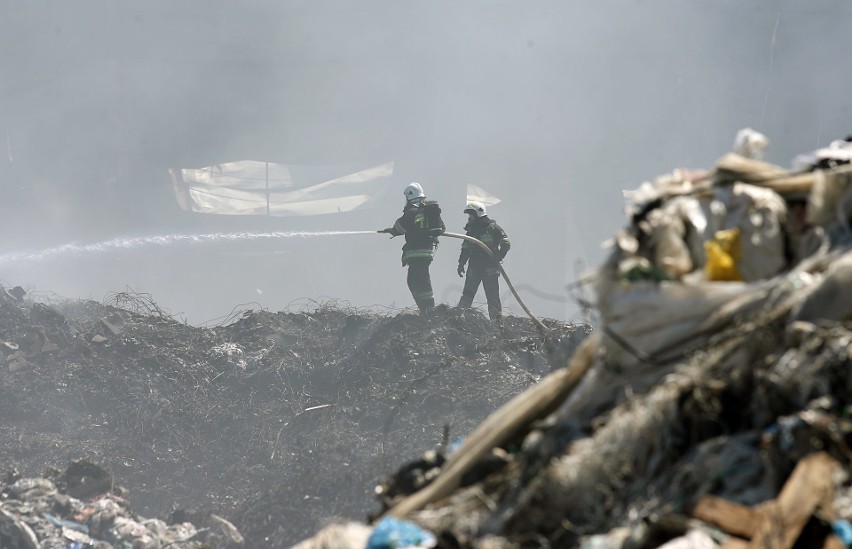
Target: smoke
554,106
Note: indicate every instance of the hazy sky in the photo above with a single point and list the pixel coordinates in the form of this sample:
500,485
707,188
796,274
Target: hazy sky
553,105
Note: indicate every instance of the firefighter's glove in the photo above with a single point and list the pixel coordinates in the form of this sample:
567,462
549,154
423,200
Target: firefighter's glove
460,270
435,233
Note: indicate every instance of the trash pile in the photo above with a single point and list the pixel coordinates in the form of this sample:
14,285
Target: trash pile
276,422
82,507
711,407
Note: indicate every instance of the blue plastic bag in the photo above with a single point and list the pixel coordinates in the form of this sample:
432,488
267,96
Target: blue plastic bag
391,533
843,530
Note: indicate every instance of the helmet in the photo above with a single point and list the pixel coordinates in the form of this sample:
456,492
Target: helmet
478,209
414,190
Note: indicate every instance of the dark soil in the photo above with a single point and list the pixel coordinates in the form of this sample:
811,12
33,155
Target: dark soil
278,421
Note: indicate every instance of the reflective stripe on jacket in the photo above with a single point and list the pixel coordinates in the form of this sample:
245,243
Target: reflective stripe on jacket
419,244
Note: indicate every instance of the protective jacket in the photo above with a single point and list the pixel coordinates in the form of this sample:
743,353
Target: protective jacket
483,268
420,240
489,233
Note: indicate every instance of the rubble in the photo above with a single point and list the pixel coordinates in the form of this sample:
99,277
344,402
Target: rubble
710,408
276,422
82,508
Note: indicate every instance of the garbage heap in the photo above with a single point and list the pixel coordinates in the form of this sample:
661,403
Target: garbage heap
710,407
276,421
83,508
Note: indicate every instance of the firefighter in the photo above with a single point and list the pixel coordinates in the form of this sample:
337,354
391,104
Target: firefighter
421,224
482,267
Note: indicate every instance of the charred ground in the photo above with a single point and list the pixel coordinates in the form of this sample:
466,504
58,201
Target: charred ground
278,421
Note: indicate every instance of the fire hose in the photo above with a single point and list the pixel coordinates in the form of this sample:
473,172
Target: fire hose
487,250
541,327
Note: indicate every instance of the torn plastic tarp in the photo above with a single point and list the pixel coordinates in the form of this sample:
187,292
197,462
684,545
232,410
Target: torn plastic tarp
266,188
478,194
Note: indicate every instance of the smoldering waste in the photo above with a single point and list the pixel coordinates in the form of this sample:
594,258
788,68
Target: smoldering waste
275,422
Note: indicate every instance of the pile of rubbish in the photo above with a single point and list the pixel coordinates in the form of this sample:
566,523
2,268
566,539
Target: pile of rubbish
277,422
82,508
711,406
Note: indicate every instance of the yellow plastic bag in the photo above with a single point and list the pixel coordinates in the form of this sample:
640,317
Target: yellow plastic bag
722,254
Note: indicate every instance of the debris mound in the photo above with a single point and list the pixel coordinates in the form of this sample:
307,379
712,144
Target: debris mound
81,507
278,422
711,406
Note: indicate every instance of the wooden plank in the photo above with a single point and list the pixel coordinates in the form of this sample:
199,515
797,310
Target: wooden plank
804,491
534,403
827,513
833,542
731,517
734,543
733,167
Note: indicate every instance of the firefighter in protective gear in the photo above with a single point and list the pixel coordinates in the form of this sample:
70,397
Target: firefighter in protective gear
421,230
480,266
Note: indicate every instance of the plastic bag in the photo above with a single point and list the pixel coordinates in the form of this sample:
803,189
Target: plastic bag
391,533
723,253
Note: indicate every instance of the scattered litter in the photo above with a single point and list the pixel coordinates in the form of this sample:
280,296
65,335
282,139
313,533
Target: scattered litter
36,512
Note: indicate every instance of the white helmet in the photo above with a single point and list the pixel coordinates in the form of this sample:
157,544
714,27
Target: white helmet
478,208
413,191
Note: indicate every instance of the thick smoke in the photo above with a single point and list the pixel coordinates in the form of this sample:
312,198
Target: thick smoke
554,106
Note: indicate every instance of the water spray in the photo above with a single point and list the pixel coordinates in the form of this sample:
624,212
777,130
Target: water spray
164,240
178,239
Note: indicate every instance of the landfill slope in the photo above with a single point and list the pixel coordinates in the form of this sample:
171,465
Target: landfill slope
279,422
